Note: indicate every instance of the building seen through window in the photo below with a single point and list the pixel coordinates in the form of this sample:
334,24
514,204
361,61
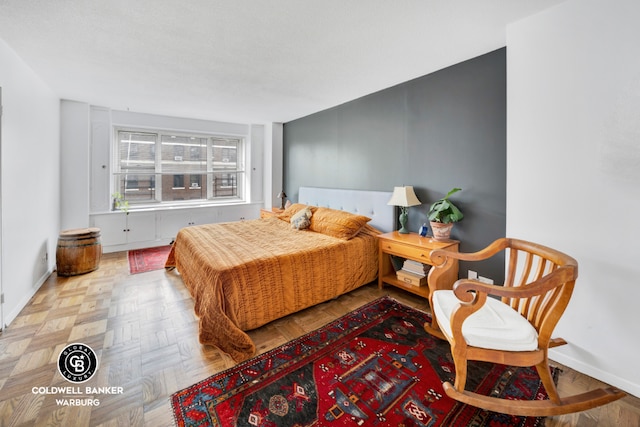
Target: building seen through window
164,167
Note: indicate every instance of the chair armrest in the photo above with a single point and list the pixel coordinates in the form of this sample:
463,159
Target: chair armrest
470,302
439,256
463,287
442,259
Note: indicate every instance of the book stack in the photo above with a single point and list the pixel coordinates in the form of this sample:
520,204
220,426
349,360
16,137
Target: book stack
413,273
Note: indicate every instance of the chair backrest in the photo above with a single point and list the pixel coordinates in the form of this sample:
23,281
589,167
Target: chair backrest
531,264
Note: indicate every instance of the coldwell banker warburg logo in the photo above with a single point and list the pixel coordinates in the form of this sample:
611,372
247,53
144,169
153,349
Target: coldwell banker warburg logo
77,363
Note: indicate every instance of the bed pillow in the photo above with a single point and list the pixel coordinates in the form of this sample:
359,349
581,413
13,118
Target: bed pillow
292,210
336,223
301,219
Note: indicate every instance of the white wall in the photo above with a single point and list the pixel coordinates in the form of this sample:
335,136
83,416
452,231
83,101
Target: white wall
74,164
573,170
256,166
273,165
30,168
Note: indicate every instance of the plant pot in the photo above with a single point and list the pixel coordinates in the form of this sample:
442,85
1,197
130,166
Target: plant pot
441,232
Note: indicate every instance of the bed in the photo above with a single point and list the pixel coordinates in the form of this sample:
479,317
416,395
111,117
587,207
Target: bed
245,274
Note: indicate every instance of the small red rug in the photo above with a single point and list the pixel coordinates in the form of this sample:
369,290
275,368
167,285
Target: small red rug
149,259
376,366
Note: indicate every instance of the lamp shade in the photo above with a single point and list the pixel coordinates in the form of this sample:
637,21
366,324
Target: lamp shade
404,196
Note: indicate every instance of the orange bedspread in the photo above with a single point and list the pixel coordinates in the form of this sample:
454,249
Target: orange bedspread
243,275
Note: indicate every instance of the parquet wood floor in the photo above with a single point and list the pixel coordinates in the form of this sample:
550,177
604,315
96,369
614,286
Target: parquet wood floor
144,332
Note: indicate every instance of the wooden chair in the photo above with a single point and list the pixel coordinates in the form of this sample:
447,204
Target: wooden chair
538,285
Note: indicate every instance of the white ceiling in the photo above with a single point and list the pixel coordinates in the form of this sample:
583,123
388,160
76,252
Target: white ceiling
247,61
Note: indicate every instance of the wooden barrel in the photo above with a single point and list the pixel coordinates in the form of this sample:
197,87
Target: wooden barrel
78,252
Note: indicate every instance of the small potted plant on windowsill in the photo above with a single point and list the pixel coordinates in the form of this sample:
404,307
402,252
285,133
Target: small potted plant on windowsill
120,203
442,215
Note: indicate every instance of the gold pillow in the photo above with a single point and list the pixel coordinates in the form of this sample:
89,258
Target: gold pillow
336,223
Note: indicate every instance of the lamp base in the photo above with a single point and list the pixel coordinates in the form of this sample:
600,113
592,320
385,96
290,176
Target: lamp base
404,215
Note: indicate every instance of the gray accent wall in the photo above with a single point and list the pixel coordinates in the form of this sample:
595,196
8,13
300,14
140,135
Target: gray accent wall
443,130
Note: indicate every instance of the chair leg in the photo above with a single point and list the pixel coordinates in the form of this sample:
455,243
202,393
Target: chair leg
433,328
544,372
460,361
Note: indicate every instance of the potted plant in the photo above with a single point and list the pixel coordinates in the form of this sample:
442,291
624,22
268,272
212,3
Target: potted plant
442,215
120,203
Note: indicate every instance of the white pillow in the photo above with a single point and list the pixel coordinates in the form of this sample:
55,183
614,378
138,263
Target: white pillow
495,326
301,219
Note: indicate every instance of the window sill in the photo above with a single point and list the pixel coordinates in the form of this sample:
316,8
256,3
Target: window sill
173,207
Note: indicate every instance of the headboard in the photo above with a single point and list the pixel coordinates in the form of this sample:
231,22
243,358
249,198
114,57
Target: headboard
372,204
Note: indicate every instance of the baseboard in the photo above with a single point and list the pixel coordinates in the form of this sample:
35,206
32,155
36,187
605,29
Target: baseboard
11,316
599,374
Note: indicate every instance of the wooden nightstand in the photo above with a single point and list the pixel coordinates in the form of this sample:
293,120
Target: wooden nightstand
415,247
266,213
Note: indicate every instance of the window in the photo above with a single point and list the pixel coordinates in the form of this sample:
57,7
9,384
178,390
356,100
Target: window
178,182
166,167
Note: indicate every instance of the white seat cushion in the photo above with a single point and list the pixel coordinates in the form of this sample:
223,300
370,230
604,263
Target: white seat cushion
495,326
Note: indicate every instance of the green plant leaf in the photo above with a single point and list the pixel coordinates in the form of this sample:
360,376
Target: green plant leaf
456,215
453,191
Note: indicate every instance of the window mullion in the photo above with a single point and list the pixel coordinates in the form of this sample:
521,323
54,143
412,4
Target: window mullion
158,168
209,168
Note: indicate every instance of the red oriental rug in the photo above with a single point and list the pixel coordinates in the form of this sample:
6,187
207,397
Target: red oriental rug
149,259
376,366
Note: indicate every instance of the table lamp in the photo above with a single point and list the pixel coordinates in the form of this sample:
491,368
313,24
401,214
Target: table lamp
403,197
282,195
